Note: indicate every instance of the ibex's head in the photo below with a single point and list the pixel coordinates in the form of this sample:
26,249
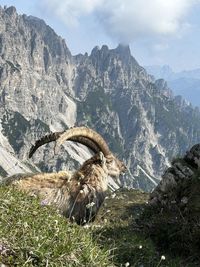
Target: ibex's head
114,165
87,137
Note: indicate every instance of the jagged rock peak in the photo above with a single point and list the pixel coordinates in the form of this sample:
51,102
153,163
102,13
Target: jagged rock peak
121,52
124,53
35,31
123,49
10,10
97,50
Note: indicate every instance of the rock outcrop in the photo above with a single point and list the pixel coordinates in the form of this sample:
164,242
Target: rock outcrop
180,185
172,216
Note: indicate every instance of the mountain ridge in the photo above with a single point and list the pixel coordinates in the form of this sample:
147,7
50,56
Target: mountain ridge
44,88
185,83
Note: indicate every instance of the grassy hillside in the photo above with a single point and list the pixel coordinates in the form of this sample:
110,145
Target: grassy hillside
35,235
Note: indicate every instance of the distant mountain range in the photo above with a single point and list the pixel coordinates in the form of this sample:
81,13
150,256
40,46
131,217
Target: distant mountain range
184,83
43,88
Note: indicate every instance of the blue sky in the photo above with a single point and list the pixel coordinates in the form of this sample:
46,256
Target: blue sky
158,31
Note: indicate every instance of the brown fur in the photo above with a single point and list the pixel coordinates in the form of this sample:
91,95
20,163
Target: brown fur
78,196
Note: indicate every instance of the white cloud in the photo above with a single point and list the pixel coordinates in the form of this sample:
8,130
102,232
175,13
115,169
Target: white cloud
70,11
160,47
126,20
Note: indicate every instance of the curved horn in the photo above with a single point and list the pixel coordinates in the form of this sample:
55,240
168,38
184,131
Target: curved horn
85,141
84,132
44,140
77,138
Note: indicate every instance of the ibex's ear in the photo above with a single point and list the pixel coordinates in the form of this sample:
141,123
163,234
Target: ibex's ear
102,158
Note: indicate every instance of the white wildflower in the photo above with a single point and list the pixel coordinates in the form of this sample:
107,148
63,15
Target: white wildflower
162,257
86,226
140,247
25,225
90,205
44,202
127,264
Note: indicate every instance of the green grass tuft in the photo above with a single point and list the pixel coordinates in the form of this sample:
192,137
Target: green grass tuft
35,235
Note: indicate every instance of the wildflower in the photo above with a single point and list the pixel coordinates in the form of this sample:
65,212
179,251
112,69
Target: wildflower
97,226
86,226
44,202
162,257
25,225
127,264
90,205
113,195
140,247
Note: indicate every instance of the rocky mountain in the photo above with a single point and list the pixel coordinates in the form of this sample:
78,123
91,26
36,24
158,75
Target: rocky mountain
44,88
185,83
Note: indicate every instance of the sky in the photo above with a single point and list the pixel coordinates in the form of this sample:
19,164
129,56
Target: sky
159,32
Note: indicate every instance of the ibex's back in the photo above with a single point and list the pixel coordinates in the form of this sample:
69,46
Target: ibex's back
79,195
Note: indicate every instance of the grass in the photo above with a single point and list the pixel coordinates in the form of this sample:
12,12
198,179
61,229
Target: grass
36,235
120,216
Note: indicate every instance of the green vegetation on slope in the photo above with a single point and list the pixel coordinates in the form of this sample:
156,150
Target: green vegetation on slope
35,235
173,222
123,233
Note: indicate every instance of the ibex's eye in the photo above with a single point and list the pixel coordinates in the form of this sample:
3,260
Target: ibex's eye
108,160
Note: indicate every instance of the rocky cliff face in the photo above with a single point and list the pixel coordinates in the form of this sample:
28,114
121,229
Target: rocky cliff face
44,88
173,213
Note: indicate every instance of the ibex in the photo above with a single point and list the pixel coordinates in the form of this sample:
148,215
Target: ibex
78,196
